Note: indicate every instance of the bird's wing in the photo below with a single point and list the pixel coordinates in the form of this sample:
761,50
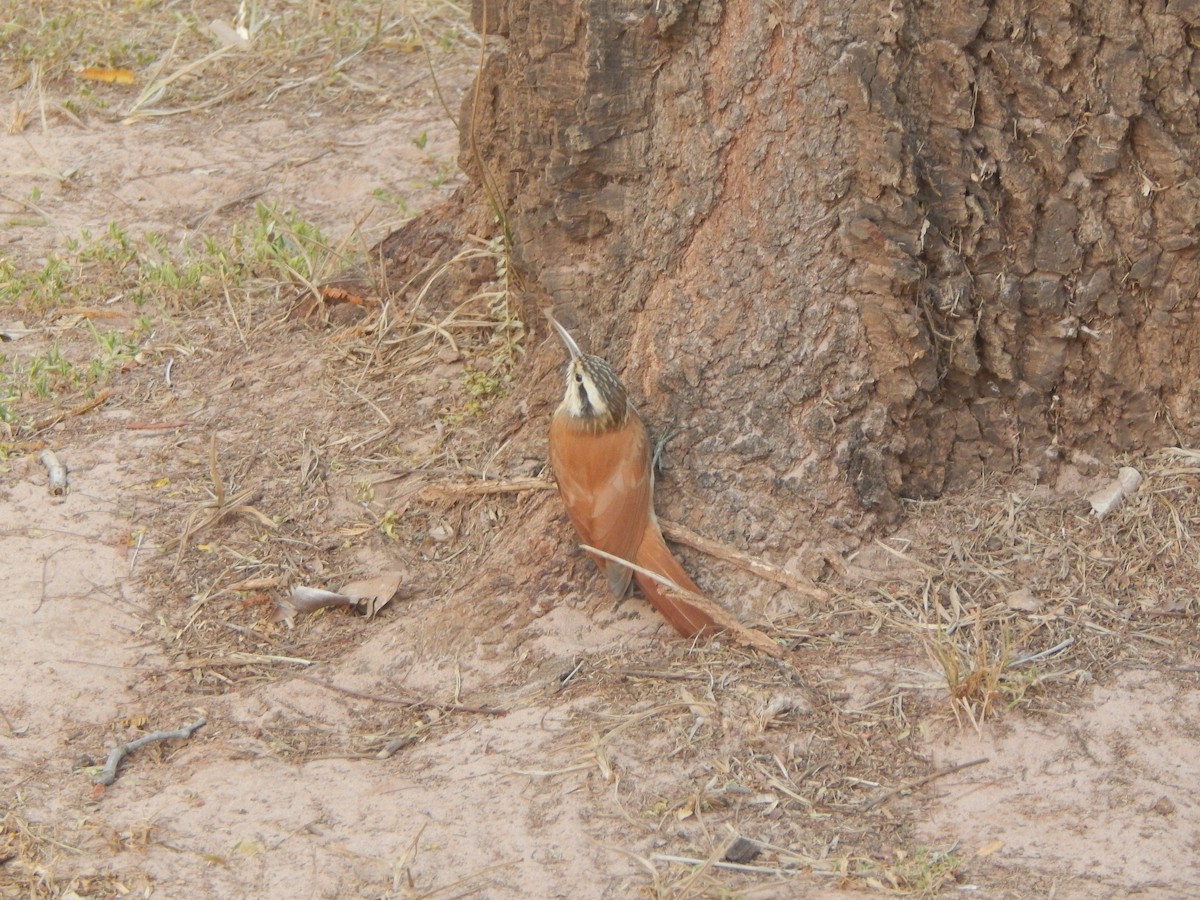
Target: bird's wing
605,483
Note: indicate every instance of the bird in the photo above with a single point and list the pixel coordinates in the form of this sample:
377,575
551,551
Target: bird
601,459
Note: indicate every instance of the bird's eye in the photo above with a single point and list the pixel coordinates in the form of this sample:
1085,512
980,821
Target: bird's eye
579,378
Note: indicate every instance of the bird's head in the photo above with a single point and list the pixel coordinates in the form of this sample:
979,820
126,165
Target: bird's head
594,399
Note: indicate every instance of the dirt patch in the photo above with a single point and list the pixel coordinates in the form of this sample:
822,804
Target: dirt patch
500,728
1095,801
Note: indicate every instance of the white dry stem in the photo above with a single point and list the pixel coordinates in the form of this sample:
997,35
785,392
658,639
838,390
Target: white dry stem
56,470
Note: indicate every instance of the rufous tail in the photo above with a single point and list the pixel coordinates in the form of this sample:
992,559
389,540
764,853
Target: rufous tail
685,617
695,615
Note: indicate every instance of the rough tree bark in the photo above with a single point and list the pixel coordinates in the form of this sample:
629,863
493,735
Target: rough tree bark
859,251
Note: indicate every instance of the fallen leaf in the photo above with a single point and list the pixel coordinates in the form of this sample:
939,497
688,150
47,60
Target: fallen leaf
255,599
373,594
1164,806
1110,497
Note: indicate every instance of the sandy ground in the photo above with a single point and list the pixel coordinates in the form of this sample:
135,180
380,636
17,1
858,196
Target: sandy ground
500,729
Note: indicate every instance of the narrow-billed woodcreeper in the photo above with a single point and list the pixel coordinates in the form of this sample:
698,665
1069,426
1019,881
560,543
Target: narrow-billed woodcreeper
601,459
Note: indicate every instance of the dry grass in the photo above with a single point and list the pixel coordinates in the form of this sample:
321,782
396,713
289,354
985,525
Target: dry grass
752,747
183,62
31,857
1034,590
238,528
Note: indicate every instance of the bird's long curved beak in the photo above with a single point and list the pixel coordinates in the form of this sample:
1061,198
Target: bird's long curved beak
572,347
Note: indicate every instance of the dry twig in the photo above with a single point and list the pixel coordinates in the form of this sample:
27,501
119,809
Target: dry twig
43,424
921,782
109,774
487,488
673,530
411,704
683,535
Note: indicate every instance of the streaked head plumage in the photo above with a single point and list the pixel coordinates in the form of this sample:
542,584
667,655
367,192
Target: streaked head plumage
594,399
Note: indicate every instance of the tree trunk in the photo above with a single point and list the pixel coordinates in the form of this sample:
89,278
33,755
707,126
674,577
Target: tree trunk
858,252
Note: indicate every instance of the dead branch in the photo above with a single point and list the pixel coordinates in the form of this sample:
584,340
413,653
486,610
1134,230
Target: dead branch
683,535
109,773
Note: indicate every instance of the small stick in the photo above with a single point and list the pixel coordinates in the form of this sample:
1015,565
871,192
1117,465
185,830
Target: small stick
487,488
921,782
45,569
85,312
735,867
109,774
137,548
683,535
1190,669
1062,645
156,426
411,704
56,470
666,676
77,411
239,659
